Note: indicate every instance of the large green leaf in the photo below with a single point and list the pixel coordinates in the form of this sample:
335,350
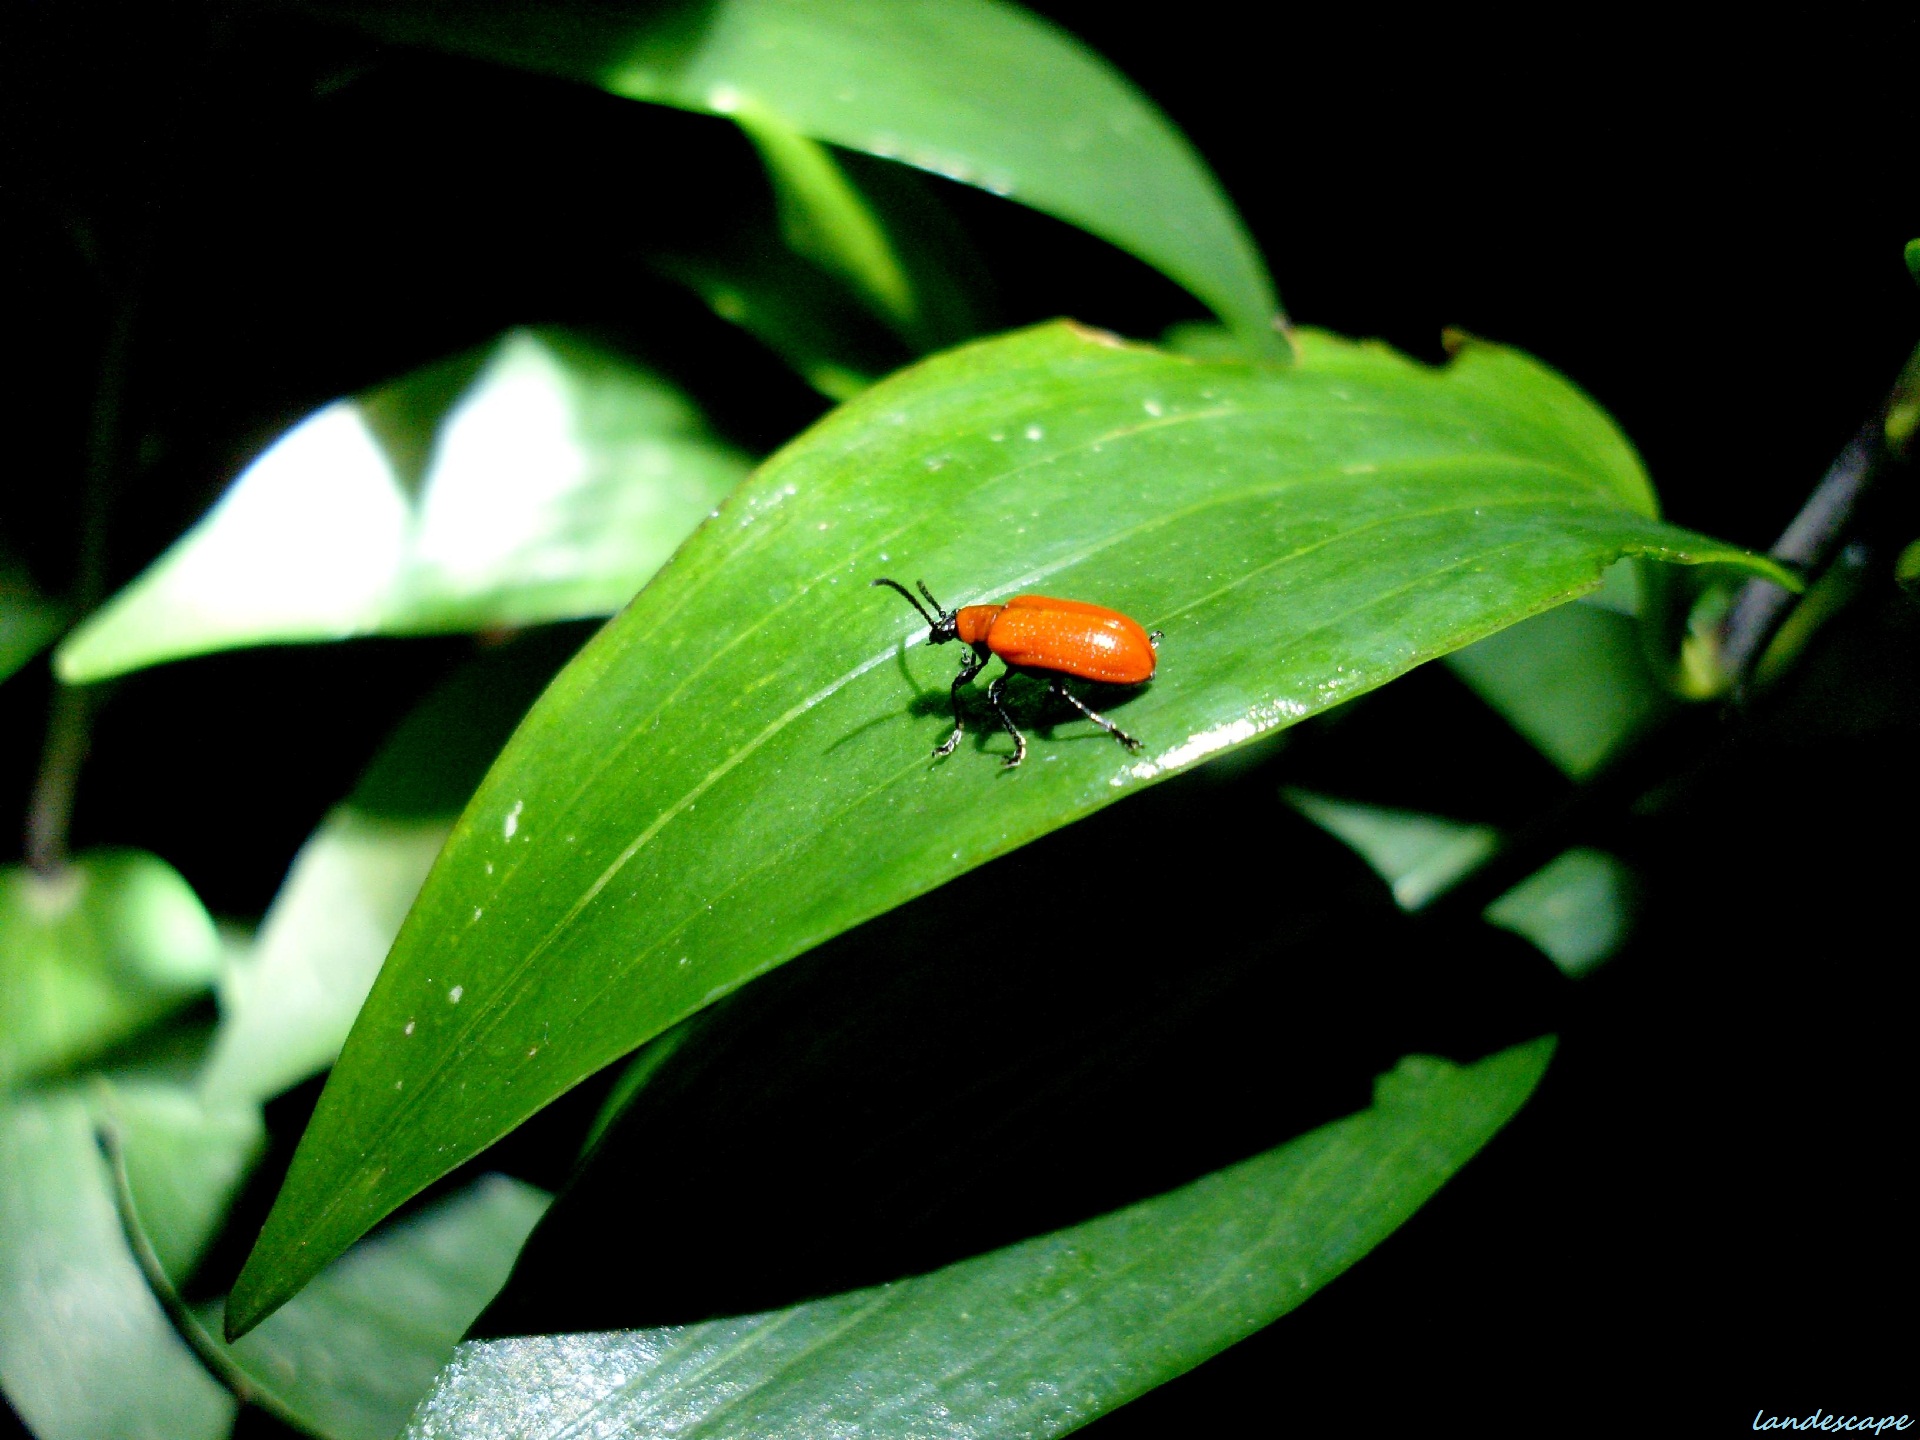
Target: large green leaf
353,1356
737,767
92,953
85,1350
1033,1340
541,479
978,91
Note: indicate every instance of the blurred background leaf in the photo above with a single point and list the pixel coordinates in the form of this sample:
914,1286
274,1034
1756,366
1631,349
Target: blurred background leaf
1578,908
28,624
542,478
85,1350
1419,856
1574,681
977,91
93,952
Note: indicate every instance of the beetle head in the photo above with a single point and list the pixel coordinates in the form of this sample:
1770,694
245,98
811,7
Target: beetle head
942,625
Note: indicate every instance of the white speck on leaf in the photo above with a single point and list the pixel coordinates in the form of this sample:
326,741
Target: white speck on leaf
409,1029
512,822
453,995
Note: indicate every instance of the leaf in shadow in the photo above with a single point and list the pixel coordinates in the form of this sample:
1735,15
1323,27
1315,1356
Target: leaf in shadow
996,1060
980,92
1033,1340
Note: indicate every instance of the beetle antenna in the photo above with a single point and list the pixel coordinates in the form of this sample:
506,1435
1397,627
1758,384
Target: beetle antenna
937,608
896,585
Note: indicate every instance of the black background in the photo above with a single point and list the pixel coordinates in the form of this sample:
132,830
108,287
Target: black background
1707,1210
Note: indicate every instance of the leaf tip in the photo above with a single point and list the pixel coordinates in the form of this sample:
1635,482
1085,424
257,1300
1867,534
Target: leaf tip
239,1316
266,1282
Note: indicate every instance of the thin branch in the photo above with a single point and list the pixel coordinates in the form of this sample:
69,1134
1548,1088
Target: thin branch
1807,544
219,1362
1817,534
70,715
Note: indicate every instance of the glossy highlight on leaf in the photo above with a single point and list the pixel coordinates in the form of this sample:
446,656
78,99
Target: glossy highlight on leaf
1055,1331
539,479
738,767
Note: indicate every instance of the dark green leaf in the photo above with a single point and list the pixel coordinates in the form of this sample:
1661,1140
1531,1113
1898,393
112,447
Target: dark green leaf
1574,681
354,1355
978,91
89,955
1419,856
1578,908
542,479
85,1351
1906,566
1033,1340
737,768
815,322
27,625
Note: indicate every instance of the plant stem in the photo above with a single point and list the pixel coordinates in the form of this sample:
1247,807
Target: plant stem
1817,533
197,1338
70,714
1807,543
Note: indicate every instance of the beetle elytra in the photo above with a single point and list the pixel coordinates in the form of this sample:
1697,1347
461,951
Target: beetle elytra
1041,636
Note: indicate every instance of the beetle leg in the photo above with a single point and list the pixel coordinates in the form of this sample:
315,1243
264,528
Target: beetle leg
972,662
994,692
1059,688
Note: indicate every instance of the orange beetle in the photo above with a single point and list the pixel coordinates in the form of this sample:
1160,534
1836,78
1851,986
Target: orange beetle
1036,634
